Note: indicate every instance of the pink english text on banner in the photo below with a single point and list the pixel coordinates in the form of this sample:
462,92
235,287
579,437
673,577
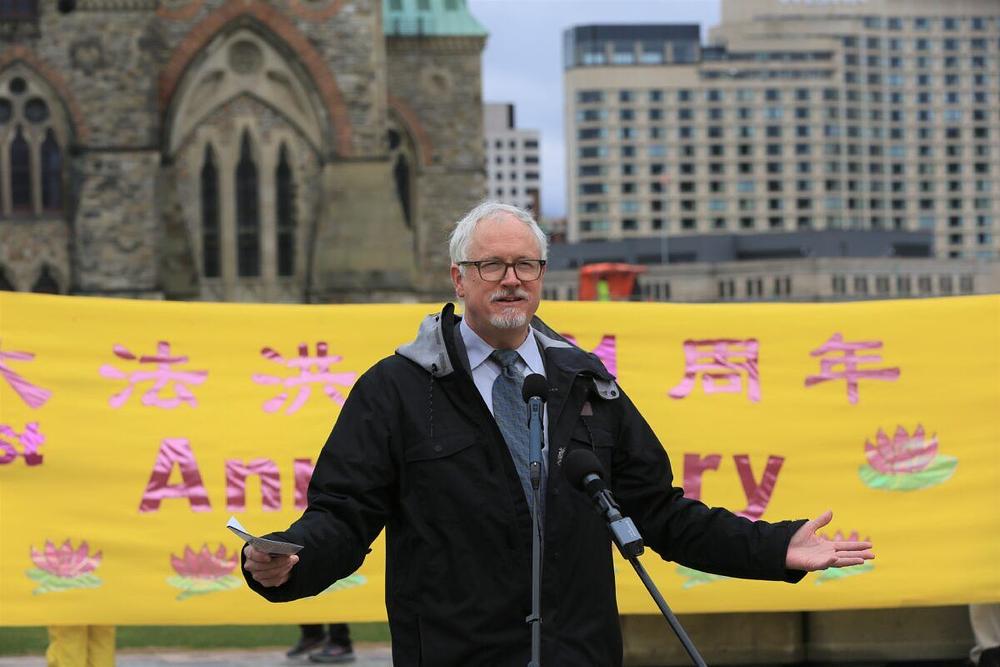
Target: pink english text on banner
270,483
758,495
30,440
303,473
175,451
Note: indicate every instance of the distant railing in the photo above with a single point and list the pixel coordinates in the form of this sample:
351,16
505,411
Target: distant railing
18,10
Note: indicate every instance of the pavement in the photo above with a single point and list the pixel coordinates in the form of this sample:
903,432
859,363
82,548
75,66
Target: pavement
368,655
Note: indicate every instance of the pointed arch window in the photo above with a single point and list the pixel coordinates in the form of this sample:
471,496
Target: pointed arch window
284,185
20,173
211,246
34,134
247,212
401,172
45,284
51,161
401,154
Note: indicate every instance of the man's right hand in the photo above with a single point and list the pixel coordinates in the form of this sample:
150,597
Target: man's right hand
266,569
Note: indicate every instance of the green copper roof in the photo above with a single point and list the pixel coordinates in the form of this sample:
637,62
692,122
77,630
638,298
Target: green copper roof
430,18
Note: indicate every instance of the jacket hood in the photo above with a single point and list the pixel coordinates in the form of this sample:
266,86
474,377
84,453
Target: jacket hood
428,349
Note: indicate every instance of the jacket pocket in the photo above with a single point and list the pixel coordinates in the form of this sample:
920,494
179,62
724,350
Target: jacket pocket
439,447
442,479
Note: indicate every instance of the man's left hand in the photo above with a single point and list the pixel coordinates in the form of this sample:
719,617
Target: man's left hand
809,551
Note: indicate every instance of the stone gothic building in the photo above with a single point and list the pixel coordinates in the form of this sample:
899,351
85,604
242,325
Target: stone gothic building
237,150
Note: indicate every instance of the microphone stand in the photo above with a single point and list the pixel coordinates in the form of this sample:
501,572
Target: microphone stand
535,470
535,619
629,543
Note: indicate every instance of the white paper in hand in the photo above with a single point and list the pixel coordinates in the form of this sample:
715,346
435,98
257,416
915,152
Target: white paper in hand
273,547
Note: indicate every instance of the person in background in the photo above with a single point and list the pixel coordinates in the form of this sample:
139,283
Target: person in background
985,620
81,646
332,647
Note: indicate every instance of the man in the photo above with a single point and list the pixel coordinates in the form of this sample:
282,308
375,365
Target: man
424,447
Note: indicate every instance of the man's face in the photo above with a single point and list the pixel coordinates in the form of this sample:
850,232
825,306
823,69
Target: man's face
497,309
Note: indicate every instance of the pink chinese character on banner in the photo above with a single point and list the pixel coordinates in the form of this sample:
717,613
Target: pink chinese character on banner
161,377
30,440
31,394
606,351
722,363
849,359
311,370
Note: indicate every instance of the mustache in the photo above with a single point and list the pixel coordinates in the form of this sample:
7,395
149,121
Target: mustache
517,293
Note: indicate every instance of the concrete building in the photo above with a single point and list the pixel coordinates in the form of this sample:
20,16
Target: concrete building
831,265
238,150
797,115
513,164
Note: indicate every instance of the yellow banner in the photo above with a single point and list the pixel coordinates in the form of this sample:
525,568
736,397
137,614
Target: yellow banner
131,430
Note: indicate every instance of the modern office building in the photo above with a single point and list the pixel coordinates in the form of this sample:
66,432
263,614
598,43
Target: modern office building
797,115
513,159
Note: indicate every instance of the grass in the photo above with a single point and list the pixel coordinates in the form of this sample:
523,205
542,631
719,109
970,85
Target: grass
33,640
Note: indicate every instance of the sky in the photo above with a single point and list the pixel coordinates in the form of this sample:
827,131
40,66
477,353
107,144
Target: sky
522,62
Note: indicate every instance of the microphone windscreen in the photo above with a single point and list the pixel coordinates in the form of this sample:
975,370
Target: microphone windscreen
535,385
580,463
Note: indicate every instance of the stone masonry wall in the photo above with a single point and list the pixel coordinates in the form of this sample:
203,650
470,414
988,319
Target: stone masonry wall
106,59
116,243
27,247
439,81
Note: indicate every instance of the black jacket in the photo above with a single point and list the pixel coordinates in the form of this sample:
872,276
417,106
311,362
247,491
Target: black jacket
416,451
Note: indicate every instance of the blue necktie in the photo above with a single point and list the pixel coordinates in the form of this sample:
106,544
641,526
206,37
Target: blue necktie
511,413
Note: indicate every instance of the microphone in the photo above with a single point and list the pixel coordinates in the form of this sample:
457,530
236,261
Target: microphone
535,391
585,473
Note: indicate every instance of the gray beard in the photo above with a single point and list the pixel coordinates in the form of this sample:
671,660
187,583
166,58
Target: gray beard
509,319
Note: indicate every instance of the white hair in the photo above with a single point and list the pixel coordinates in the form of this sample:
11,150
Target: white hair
461,236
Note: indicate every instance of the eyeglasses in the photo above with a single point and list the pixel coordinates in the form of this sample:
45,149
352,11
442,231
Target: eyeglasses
493,270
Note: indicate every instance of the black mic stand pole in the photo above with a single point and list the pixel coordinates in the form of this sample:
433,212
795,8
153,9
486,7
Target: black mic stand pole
629,543
535,619
667,614
535,470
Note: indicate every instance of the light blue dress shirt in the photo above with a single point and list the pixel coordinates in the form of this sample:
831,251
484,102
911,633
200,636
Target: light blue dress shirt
485,371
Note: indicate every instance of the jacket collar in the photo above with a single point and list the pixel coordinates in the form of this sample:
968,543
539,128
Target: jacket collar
435,337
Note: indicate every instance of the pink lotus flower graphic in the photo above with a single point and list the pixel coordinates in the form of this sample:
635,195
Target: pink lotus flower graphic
906,462
835,573
64,568
204,572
